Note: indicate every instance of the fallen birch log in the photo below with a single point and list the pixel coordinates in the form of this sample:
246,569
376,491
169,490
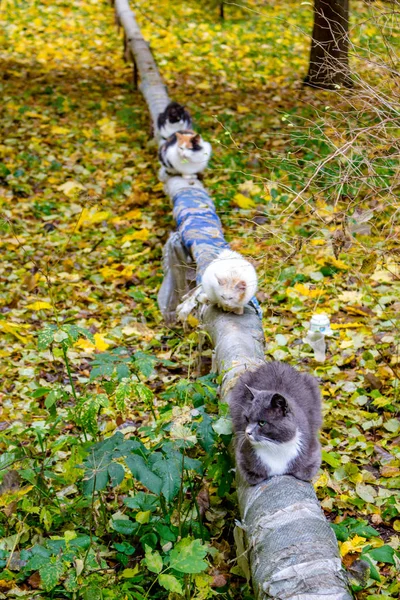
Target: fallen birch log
292,550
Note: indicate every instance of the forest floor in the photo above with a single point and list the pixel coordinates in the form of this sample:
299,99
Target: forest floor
84,351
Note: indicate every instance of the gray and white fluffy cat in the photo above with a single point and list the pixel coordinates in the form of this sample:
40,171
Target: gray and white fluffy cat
276,414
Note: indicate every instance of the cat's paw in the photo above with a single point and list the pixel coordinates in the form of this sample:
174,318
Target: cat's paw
162,174
254,478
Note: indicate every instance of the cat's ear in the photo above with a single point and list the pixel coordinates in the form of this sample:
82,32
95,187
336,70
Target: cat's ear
196,139
220,280
179,136
278,401
241,285
253,392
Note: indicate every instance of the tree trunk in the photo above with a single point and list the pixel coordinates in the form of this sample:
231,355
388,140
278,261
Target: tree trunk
329,56
283,534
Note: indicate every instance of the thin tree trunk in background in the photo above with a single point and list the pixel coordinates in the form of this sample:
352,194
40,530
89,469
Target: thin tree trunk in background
329,56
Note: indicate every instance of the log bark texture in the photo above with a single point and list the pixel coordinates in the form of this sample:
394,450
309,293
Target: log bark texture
329,55
291,548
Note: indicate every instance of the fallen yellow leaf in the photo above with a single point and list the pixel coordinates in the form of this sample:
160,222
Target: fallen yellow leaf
69,188
305,291
56,130
354,545
193,322
346,325
89,216
243,201
142,234
99,343
39,305
13,329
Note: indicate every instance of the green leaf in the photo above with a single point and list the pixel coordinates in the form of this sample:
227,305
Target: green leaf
392,425
143,392
170,583
341,532
366,492
142,501
142,473
39,392
384,554
51,572
124,526
187,556
46,336
122,392
330,459
116,473
153,560
223,426
170,473
205,432
374,574
144,363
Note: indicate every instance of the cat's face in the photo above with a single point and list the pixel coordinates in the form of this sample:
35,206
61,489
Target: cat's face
232,291
268,418
188,142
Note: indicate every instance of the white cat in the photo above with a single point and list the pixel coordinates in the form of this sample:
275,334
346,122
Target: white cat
185,153
229,281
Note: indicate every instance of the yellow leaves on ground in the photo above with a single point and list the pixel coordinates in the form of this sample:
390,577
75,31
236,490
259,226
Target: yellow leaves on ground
142,235
193,322
56,130
117,271
69,188
249,187
39,305
14,328
100,343
107,127
139,330
334,262
13,495
243,201
90,216
302,289
352,325
136,213
357,543
350,296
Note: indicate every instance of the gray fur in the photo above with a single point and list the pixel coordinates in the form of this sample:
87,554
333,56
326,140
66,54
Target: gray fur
286,400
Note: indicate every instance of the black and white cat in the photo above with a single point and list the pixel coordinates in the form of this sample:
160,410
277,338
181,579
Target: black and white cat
276,414
174,118
184,153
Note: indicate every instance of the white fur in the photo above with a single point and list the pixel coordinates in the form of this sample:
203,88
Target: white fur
186,162
277,456
169,128
229,265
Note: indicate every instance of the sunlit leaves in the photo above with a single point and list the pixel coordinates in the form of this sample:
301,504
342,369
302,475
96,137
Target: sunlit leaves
187,556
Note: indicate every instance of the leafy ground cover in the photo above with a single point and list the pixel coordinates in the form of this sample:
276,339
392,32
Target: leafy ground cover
116,479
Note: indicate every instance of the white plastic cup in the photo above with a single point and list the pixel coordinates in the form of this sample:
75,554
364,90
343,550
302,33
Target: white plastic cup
320,322
316,340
